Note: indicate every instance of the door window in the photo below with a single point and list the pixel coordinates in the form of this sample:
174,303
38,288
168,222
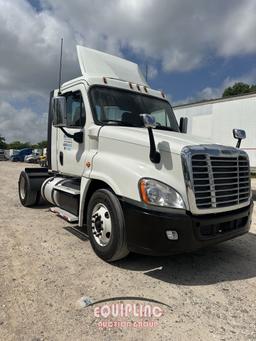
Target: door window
75,110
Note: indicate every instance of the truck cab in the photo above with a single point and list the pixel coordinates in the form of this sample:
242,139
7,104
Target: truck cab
121,166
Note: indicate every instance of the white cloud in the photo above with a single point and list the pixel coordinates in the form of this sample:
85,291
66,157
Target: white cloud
239,28
181,35
23,125
152,72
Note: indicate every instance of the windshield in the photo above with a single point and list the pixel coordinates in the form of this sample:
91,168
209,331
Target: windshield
121,107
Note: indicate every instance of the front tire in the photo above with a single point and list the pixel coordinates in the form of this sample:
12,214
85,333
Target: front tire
106,227
27,197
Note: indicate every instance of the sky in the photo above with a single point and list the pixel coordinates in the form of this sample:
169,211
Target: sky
193,49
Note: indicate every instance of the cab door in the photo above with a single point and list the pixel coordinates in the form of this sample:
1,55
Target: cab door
71,154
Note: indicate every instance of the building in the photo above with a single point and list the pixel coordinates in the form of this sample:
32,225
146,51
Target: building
216,118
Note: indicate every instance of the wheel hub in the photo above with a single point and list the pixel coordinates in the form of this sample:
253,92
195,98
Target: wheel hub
101,224
22,188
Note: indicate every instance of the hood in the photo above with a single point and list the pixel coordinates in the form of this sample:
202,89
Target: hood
168,141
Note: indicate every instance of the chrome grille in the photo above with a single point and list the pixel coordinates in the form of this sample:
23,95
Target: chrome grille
220,181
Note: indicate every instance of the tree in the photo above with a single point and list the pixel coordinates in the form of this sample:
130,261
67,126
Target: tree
42,144
18,145
2,142
239,89
21,145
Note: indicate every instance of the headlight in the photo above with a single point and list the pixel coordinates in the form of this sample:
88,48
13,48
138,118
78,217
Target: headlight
156,193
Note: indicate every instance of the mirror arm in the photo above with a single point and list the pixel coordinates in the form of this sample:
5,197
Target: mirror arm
239,134
66,133
77,137
154,155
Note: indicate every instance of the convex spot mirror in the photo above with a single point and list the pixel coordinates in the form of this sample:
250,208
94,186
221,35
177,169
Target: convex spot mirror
239,134
148,120
59,111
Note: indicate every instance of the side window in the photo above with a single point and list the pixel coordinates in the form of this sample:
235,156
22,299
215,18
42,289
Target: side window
75,110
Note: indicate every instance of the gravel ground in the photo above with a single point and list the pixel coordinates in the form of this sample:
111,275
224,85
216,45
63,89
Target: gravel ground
45,270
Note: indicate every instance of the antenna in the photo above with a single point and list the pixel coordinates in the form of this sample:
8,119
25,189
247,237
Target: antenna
146,71
60,69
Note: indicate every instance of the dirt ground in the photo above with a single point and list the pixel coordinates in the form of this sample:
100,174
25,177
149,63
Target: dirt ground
46,268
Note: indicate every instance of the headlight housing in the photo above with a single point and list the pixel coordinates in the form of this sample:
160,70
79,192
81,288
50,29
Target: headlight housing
156,193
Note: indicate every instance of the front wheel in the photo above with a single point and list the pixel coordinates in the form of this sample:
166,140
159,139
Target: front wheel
105,226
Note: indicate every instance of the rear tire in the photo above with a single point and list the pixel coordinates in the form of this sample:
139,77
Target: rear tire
106,227
27,197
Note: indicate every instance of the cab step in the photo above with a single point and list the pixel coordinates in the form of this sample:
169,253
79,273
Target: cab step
71,218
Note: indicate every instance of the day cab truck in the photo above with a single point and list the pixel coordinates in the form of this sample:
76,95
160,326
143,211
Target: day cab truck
120,166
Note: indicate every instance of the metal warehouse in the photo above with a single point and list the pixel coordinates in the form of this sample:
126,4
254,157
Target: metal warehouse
216,118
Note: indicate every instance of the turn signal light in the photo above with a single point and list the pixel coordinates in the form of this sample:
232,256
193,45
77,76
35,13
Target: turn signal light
143,191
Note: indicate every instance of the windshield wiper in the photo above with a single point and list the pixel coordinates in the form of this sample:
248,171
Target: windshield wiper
164,128
118,123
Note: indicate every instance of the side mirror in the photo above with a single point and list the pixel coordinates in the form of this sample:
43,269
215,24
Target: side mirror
59,111
150,123
183,125
240,135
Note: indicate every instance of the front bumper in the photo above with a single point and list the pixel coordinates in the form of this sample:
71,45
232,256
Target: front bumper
146,229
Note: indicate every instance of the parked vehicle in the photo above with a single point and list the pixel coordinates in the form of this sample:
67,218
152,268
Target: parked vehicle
32,158
2,155
120,166
10,152
20,155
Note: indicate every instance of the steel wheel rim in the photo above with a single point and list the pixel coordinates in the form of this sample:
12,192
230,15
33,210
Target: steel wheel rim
22,188
101,224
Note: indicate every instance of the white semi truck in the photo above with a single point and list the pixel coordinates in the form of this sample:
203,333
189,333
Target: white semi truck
121,166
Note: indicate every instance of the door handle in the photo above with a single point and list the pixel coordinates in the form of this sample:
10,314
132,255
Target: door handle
61,158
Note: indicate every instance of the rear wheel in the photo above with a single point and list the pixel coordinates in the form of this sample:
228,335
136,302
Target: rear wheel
27,196
105,226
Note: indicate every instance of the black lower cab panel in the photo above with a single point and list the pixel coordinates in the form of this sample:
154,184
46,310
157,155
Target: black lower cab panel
147,229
